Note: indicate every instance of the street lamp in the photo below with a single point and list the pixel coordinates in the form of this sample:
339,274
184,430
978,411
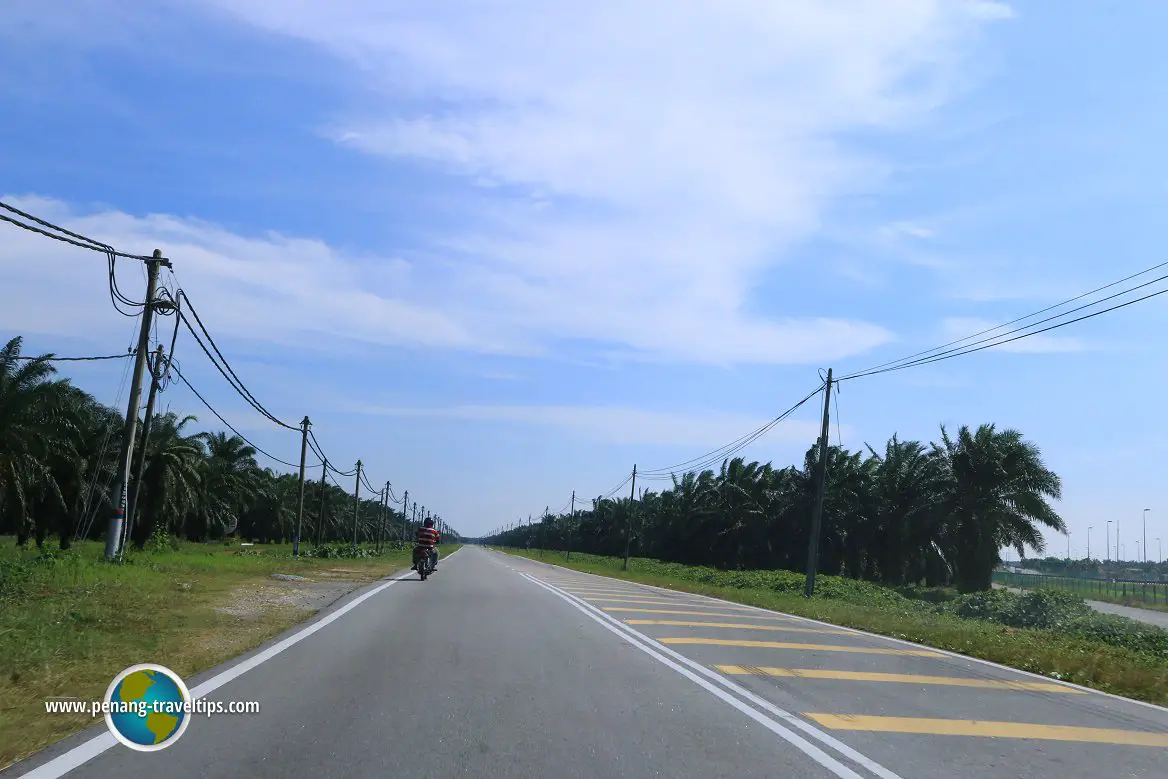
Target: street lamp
1107,545
1088,543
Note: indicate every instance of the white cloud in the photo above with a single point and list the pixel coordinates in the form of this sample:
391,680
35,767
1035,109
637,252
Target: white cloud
960,327
616,425
670,151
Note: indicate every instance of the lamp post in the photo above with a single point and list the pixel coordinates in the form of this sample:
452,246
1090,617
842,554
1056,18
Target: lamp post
1107,550
1088,543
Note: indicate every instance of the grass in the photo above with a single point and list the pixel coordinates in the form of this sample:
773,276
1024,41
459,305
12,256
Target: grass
69,621
1044,633
1141,595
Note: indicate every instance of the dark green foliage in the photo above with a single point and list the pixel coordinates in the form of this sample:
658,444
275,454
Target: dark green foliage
934,515
58,460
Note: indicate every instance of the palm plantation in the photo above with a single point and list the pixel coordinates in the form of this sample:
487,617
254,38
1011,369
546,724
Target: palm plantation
59,451
933,514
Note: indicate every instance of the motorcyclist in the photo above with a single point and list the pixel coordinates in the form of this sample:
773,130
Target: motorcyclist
427,538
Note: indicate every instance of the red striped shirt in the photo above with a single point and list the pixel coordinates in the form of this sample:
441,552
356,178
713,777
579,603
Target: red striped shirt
426,536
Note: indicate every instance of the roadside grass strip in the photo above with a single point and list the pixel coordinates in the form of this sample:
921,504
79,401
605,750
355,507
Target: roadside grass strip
987,729
867,676
862,650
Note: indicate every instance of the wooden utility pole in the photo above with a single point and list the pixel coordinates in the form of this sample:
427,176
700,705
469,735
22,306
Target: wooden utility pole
356,503
820,489
304,425
629,524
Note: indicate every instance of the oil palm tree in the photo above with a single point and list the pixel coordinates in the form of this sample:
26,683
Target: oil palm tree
31,435
172,477
230,479
997,490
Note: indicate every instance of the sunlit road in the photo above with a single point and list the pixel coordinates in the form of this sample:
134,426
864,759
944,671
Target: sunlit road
503,667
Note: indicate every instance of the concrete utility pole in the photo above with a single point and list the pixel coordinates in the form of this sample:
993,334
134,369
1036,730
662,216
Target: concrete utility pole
820,490
304,425
323,495
629,523
386,512
571,521
356,503
155,369
113,536
405,508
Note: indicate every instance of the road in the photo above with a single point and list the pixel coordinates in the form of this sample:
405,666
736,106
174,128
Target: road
504,667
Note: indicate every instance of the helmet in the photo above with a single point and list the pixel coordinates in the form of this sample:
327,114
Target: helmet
428,523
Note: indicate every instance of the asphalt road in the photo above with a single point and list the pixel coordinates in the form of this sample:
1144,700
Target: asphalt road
503,667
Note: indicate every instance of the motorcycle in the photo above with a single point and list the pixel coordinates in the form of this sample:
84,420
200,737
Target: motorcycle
423,563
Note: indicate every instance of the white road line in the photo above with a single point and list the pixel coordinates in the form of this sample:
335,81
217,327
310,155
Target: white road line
659,653
955,655
75,757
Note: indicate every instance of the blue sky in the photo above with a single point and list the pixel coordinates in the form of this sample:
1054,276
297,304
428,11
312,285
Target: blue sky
501,251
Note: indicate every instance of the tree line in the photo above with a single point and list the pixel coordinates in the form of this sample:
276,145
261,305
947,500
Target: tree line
59,453
936,514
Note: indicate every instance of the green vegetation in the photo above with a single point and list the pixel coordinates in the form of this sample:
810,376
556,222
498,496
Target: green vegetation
1144,595
1047,632
69,620
58,456
937,514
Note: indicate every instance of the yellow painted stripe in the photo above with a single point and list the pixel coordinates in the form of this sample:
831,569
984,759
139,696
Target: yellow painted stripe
863,650
730,626
863,676
693,613
985,729
649,602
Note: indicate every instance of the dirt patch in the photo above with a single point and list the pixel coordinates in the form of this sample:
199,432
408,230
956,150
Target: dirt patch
252,602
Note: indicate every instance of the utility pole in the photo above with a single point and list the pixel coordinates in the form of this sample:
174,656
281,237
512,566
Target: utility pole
113,536
820,489
356,503
155,377
304,424
629,523
571,521
405,507
386,515
323,494
543,530
1088,544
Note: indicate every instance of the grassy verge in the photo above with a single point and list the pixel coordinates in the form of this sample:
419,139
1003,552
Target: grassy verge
1106,653
70,621
1151,596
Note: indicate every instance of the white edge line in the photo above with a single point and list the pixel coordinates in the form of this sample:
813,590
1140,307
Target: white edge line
757,700
83,753
809,749
957,655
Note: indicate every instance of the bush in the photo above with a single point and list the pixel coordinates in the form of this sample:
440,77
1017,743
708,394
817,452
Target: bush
342,551
1062,612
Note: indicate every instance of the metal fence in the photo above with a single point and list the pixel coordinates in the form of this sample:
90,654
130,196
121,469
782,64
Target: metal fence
1117,590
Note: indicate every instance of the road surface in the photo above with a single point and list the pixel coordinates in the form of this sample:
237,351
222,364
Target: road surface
504,667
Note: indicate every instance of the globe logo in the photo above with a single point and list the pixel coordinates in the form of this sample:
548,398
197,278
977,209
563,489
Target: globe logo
147,707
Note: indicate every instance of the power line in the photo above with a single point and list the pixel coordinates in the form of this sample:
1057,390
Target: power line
928,353
211,408
81,241
1009,340
54,358
241,388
